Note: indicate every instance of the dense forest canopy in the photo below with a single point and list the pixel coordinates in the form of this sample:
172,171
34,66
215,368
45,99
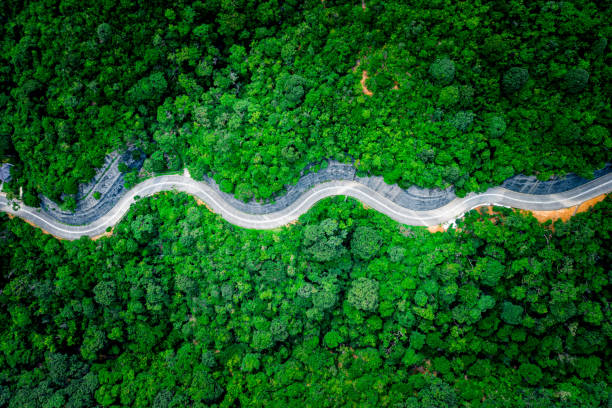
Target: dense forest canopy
179,308
462,93
346,308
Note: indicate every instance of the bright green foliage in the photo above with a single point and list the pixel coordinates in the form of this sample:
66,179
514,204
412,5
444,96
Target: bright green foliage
179,308
363,294
365,242
449,97
332,339
250,93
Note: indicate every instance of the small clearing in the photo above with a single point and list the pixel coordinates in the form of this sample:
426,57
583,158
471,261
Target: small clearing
106,234
364,78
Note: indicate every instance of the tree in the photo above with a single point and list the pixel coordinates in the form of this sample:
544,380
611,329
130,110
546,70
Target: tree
93,343
576,80
449,97
511,314
530,373
332,339
463,120
363,294
497,126
442,71
514,79
324,240
262,340
104,32
105,293
365,242
250,362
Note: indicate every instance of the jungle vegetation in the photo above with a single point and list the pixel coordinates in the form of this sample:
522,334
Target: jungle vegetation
345,308
250,92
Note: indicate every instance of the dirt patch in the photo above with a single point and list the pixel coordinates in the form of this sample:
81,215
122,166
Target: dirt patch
563,214
363,6
587,205
436,228
200,202
106,234
364,78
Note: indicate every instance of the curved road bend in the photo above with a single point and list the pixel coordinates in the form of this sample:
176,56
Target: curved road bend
201,190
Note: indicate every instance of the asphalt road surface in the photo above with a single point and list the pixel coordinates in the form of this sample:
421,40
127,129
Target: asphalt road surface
449,212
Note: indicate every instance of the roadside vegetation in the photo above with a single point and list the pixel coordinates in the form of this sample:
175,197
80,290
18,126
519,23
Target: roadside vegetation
459,93
345,308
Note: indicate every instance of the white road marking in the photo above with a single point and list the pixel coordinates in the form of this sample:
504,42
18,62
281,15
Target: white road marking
309,199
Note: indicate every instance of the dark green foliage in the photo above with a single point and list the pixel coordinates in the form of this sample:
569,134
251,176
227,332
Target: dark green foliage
442,71
497,126
514,79
504,312
576,80
251,94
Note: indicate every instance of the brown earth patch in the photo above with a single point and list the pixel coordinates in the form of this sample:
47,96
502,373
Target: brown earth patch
587,205
364,78
200,202
563,214
106,234
436,228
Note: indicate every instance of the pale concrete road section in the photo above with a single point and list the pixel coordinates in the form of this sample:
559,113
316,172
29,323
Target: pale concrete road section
203,191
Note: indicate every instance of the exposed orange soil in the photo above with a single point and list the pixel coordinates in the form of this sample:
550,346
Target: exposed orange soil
364,77
563,214
200,202
106,234
590,203
436,228
566,213
11,216
363,5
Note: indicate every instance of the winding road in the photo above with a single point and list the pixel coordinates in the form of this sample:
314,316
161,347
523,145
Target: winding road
203,191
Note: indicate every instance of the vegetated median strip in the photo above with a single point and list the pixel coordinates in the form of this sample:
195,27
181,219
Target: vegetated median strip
202,191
